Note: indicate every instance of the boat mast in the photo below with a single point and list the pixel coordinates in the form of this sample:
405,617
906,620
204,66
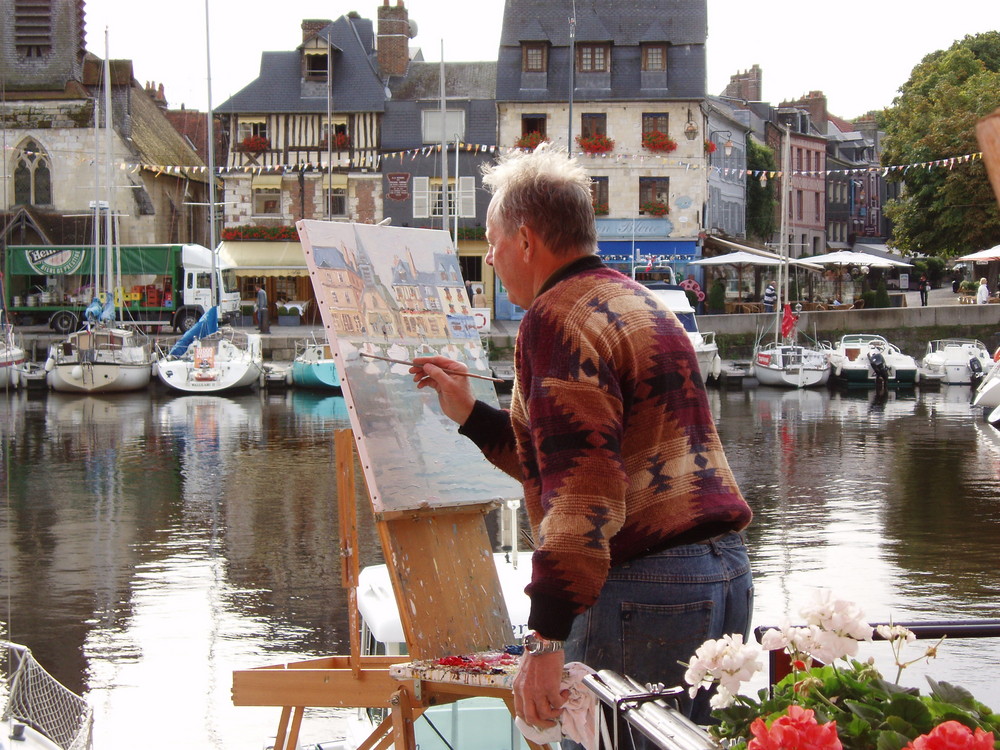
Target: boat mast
786,184
210,137
109,276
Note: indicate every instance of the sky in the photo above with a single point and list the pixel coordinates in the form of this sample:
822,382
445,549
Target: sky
858,54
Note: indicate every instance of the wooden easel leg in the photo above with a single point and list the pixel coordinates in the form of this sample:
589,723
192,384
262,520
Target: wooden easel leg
293,734
279,737
380,738
402,720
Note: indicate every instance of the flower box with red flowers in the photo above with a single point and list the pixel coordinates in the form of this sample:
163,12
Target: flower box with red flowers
654,208
530,140
254,144
600,209
658,141
595,144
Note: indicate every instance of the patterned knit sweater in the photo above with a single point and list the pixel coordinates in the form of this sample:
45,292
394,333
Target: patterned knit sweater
610,433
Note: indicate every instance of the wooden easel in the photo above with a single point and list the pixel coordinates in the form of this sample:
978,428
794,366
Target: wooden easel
450,602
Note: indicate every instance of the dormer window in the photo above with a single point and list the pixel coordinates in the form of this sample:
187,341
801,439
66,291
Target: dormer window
316,66
654,57
593,58
534,57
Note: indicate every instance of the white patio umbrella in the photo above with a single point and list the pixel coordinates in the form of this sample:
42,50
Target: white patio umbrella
850,258
742,258
982,256
739,259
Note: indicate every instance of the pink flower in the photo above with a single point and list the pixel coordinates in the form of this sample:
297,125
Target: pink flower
797,729
951,735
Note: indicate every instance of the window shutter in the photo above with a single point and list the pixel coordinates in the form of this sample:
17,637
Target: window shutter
467,197
421,204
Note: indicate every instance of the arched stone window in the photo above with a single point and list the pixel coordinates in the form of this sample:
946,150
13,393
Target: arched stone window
32,175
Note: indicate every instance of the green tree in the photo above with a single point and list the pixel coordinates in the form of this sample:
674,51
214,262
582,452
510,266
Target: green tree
760,197
946,209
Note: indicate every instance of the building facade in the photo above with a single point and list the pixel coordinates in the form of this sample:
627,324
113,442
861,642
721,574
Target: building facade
70,160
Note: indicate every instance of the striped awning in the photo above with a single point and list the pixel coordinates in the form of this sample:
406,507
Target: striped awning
251,258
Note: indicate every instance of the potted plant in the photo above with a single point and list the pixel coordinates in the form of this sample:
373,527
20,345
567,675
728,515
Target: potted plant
717,297
254,144
595,144
530,141
658,141
246,316
710,147
831,699
600,209
288,316
654,208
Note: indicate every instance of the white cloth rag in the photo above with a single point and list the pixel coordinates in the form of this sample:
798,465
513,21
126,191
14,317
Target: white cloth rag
578,720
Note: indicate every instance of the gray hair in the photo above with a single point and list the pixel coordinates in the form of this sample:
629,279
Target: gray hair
544,190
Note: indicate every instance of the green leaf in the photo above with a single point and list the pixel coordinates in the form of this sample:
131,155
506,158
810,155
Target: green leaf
890,740
867,712
954,694
910,708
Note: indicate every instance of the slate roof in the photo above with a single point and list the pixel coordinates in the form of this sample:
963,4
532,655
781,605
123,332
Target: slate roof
464,80
155,138
624,22
683,24
356,84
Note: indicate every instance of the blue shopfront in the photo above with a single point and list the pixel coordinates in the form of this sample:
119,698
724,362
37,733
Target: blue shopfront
625,244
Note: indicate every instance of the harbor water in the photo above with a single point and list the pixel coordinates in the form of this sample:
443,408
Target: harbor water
154,543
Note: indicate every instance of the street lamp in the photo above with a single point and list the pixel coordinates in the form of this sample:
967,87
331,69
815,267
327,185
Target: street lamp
690,129
727,147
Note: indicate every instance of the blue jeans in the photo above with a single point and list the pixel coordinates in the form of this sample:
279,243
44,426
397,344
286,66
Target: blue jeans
654,612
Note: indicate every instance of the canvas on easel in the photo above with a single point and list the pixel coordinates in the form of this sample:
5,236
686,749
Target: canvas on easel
398,293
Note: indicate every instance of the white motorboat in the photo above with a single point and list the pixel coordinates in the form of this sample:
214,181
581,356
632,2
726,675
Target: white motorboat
707,351
957,361
38,712
987,394
859,360
100,360
791,365
11,353
225,360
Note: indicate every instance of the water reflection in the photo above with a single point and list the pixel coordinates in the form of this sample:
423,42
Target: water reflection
156,543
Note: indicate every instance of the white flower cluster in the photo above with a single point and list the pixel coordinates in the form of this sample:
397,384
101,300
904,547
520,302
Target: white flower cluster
728,661
833,629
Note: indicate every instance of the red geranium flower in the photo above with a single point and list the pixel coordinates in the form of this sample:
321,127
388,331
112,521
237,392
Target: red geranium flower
952,735
797,729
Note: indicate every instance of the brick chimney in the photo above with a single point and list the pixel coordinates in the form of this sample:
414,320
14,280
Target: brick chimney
815,103
748,85
393,38
312,26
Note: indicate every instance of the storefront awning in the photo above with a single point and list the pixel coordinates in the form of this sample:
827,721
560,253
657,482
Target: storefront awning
261,181
263,258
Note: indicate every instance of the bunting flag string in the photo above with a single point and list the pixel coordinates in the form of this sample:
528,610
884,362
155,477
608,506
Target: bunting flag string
658,160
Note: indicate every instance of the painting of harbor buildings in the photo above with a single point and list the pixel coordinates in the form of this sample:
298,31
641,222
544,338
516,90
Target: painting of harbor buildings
398,293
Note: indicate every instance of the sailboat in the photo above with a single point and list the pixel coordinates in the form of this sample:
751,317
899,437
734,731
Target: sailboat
208,359
11,353
106,356
783,362
314,367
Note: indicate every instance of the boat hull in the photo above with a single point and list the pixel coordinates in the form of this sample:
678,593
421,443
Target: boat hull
951,359
791,366
852,366
316,375
214,366
10,360
88,377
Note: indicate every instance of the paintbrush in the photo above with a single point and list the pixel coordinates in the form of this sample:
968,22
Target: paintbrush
450,372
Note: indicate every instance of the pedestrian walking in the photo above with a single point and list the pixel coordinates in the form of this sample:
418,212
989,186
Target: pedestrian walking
924,287
263,316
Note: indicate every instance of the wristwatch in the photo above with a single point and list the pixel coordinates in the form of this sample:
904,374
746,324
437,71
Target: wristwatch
536,644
